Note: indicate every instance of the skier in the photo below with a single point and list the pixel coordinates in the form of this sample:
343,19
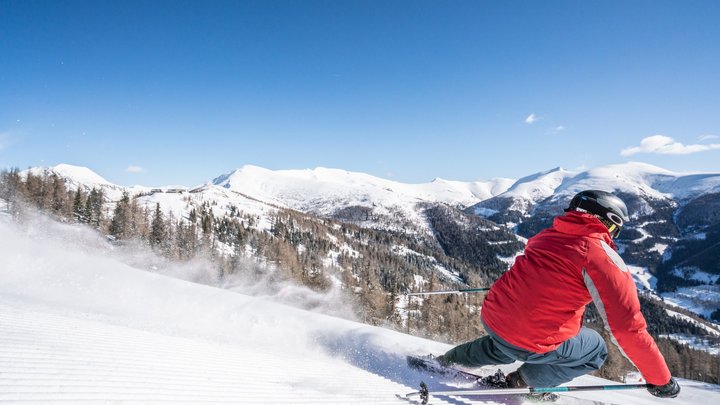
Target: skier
533,313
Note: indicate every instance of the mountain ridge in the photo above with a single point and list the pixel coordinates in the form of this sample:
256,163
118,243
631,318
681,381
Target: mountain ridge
663,181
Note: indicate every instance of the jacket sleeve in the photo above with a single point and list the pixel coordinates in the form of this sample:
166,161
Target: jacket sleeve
614,293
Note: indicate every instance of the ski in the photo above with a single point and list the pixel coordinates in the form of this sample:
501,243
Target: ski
424,394
429,364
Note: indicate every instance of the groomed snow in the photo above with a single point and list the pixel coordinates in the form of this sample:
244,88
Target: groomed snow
79,326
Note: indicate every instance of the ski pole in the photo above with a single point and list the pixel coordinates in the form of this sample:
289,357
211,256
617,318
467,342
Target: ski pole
424,393
463,290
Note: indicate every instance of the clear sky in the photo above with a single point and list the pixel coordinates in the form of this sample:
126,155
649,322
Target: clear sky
178,92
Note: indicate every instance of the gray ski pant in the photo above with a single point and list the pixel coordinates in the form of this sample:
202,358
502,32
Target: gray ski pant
579,355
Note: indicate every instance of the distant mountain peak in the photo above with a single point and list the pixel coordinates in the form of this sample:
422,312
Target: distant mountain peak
79,174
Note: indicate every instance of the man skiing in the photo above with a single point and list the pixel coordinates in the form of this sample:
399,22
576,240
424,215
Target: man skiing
533,313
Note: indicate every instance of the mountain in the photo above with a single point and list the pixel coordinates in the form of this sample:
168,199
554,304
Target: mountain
299,188
82,326
379,238
635,179
339,193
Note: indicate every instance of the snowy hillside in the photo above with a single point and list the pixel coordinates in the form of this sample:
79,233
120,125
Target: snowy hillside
80,326
86,179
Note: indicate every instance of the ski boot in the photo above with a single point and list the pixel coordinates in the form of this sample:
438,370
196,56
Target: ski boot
497,380
514,380
542,397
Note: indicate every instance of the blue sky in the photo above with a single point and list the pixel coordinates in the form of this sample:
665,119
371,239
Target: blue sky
178,92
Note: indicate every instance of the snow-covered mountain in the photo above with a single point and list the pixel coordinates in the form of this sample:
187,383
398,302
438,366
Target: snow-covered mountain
333,192
79,325
638,179
671,240
310,190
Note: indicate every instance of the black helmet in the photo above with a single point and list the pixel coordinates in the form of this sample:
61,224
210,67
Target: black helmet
607,207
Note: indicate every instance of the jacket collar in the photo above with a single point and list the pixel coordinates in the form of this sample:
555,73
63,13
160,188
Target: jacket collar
582,224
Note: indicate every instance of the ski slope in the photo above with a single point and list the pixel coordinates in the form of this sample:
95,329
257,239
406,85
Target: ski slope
77,325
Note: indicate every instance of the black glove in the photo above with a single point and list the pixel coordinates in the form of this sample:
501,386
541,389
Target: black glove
669,390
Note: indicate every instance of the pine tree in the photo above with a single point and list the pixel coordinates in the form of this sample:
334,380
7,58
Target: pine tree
93,209
10,188
158,230
120,224
59,194
79,207
138,221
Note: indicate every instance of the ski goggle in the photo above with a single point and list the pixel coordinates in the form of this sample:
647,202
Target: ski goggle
614,230
615,218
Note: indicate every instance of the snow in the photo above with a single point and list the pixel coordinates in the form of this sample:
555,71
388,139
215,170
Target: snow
50,289
695,342
454,276
715,331
632,177
80,174
510,260
642,277
485,212
323,190
401,250
710,345
256,191
660,248
701,299
694,273
80,325
538,186
305,190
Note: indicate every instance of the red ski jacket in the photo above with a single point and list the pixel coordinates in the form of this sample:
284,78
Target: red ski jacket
539,302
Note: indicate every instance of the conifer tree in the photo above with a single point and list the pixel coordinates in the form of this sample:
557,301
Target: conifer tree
59,194
158,230
93,209
10,188
78,207
138,220
120,224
